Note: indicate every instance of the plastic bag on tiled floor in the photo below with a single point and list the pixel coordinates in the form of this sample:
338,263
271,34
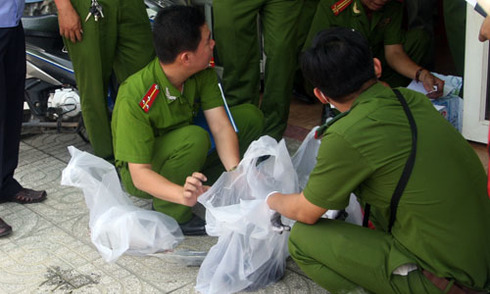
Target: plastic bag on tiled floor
249,254
117,226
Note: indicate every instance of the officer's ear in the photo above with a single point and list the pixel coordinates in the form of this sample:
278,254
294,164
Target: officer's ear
319,94
184,57
377,67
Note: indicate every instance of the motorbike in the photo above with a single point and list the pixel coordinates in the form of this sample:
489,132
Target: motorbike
52,100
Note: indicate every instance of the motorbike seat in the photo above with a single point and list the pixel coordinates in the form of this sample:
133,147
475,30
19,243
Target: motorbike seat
41,26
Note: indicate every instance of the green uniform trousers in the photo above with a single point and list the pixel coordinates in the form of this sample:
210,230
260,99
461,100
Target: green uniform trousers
237,42
345,258
455,22
183,151
121,41
304,22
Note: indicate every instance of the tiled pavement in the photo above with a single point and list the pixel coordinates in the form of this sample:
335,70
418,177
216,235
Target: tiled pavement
50,249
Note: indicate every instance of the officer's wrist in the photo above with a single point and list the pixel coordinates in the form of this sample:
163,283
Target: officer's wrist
418,74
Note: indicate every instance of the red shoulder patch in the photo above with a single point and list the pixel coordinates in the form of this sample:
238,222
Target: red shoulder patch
149,97
340,6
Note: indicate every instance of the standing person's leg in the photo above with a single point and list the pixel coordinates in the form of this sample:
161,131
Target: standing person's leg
237,44
343,257
9,147
134,47
92,60
12,79
279,19
302,89
455,22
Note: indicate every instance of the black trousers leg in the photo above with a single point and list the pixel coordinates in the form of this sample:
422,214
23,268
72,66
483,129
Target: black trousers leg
12,81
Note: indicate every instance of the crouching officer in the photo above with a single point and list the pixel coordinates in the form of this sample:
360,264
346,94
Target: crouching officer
380,22
159,152
425,185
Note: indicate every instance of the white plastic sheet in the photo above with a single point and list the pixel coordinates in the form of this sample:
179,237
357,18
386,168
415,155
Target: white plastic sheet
248,255
117,226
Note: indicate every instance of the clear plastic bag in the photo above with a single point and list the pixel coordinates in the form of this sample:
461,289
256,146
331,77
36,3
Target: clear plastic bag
304,159
248,255
117,226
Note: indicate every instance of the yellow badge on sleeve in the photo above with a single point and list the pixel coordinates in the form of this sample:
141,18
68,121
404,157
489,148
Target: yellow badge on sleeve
149,97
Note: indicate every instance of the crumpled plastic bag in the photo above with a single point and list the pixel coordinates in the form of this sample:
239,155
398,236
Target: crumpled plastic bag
117,226
249,254
304,160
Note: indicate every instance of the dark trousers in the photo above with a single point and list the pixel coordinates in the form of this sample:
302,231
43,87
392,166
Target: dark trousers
12,80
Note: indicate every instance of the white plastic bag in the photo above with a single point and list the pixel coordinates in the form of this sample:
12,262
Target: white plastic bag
117,226
248,255
304,160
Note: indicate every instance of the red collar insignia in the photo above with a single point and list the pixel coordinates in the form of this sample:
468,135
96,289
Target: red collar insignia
149,97
339,6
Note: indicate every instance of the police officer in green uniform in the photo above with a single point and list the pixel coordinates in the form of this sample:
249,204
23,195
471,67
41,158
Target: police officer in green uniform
379,21
237,41
420,13
438,242
120,41
160,153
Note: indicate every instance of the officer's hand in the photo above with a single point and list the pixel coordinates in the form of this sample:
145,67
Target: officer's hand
433,85
193,188
275,218
276,222
485,30
69,23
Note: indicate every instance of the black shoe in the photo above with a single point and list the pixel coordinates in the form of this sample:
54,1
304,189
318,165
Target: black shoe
194,227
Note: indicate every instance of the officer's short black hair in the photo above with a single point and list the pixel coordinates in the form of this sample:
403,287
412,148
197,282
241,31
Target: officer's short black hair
177,29
338,63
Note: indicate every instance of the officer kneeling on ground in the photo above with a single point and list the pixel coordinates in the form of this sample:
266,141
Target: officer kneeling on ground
158,150
423,181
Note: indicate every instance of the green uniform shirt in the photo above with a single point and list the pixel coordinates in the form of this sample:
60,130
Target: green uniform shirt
134,130
384,28
443,218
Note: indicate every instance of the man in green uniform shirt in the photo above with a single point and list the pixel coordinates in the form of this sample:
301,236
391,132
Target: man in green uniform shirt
118,42
158,149
440,235
379,21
